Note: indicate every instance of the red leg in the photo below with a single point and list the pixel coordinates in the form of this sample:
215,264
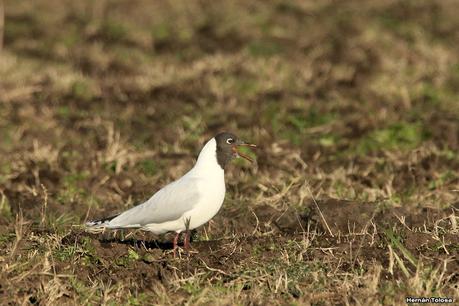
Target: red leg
176,238
187,241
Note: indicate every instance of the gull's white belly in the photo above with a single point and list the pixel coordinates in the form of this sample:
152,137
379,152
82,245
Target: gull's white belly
208,206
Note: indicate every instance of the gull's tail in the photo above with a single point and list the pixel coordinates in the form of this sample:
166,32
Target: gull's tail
99,225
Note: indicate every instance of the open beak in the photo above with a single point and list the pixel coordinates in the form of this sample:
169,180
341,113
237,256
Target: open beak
239,154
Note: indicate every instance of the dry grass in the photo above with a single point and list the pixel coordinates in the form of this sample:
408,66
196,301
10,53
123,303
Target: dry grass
354,195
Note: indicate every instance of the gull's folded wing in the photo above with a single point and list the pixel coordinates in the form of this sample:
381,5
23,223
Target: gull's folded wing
168,204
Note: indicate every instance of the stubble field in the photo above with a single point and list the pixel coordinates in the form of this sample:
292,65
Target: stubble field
354,105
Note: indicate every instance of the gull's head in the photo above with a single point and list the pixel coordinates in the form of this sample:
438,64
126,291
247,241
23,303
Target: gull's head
227,148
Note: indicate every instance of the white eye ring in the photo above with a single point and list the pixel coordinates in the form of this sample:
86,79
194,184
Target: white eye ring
229,140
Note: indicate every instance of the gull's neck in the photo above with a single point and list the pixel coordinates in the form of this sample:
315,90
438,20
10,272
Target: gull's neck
207,160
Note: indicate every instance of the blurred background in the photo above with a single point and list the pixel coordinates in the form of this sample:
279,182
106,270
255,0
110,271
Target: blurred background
103,102
364,92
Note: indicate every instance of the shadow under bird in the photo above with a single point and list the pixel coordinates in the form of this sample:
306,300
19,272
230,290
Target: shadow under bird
188,202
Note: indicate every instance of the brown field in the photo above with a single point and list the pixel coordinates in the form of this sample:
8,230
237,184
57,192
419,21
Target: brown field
354,196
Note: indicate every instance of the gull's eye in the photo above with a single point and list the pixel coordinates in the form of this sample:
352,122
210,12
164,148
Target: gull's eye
230,141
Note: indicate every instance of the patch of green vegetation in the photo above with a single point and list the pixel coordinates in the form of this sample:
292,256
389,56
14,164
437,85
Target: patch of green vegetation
133,255
289,8
193,126
114,31
302,121
271,116
69,195
388,291
161,32
5,170
60,223
110,166
6,142
396,241
128,58
449,154
299,270
401,136
399,26
69,114
26,26
246,87
138,300
296,271
63,111
442,180
6,238
148,167
75,178
185,35
294,126
390,21
65,253
453,78
5,207
328,140
72,37
431,93
264,48
343,190
128,259
82,90
84,251
257,250
84,292
205,292
395,199
403,196
54,46
71,190
193,288
179,40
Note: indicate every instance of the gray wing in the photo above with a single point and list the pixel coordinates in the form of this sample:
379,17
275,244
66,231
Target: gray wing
168,204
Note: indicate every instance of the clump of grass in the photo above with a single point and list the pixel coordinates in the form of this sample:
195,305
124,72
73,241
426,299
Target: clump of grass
128,259
5,207
113,31
148,167
264,48
162,35
398,136
296,126
82,90
71,190
441,180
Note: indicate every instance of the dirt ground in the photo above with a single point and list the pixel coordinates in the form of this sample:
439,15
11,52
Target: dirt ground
354,195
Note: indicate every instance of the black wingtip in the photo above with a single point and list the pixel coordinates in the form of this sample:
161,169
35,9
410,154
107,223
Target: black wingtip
100,222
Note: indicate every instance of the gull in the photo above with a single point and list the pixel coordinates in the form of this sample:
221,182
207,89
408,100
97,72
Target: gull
187,203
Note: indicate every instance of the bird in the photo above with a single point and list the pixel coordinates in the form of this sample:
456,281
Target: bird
186,203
